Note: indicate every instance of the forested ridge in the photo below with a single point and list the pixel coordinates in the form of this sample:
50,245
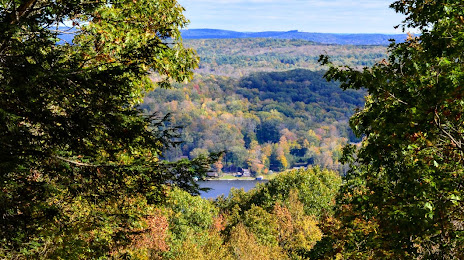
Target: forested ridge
93,166
327,38
264,121
238,57
265,103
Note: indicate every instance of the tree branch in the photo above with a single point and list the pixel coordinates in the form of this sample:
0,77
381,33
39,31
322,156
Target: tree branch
76,162
438,123
15,16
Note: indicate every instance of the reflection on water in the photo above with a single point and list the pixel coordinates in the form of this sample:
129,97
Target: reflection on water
223,187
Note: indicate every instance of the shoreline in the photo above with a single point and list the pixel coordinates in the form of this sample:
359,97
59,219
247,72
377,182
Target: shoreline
235,179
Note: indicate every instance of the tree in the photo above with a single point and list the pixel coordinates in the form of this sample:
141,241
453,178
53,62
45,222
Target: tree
316,190
79,164
191,221
244,245
406,181
298,232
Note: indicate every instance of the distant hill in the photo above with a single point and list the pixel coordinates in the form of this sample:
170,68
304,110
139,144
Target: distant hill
326,38
264,121
238,57
301,85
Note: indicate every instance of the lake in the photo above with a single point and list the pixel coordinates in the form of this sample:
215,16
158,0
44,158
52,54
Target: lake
219,187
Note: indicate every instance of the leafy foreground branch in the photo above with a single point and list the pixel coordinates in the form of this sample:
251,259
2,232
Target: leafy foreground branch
80,166
403,197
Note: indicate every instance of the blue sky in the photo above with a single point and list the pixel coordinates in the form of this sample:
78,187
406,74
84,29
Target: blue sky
328,16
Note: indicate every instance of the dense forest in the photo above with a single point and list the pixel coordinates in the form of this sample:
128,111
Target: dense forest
277,220
240,57
264,121
92,165
257,100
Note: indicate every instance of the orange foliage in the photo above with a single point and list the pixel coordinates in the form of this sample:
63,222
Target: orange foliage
284,222
219,223
154,236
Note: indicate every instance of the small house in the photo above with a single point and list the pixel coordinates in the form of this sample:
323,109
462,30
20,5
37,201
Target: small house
246,173
212,174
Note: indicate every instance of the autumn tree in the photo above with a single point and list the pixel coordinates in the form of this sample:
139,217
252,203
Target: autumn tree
244,245
298,232
406,183
79,164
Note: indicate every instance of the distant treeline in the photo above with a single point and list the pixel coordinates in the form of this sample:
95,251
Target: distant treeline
330,38
241,56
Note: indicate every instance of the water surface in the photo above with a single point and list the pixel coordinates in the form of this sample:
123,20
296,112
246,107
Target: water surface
219,187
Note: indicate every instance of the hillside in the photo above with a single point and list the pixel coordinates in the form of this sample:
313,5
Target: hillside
264,101
241,56
265,121
326,38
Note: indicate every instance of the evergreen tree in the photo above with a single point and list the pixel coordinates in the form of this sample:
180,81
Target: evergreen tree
79,163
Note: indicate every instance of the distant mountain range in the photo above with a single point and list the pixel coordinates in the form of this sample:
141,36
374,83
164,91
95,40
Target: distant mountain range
326,38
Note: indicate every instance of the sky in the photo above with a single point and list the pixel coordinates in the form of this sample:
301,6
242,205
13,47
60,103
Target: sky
325,16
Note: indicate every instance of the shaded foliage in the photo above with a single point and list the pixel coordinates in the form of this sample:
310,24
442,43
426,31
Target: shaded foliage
403,197
80,164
